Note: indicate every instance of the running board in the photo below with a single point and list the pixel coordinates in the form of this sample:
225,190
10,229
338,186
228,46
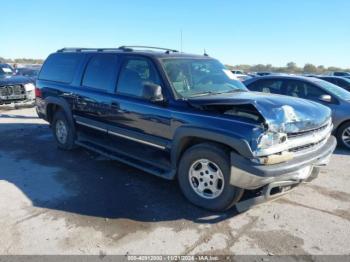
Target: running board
159,171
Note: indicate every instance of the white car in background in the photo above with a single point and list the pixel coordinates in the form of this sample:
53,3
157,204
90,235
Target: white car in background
240,75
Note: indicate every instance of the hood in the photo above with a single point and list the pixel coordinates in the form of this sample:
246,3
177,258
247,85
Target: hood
13,80
280,113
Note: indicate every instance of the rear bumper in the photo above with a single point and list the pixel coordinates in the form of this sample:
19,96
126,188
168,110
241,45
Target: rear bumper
248,175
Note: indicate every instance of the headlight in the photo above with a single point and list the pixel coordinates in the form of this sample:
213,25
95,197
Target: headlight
270,139
29,87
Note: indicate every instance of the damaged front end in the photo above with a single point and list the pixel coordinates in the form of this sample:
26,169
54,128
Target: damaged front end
288,136
288,127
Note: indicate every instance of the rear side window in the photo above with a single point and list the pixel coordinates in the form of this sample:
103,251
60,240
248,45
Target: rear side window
60,67
101,72
267,86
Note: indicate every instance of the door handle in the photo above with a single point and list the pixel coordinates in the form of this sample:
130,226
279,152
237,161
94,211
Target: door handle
115,105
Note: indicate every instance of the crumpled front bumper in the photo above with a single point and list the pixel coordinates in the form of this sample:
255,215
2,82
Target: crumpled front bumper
248,175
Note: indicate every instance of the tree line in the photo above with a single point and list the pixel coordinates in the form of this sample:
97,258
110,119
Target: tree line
21,61
290,68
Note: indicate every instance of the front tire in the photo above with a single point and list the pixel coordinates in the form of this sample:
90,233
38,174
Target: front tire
204,178
63,131
343,135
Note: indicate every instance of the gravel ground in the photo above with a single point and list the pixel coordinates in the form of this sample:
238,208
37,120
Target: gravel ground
56,202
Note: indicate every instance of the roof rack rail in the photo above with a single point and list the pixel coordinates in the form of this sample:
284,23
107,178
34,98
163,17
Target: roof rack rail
131,47
121,48
79,49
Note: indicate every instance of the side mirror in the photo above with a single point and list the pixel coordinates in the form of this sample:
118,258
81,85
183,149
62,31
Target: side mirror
152,92
325,98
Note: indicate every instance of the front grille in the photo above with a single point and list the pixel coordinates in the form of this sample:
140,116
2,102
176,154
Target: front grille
308,132
12,90
307,146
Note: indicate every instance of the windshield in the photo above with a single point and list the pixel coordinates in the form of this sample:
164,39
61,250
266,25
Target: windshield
195,77
28,72
6,70
334,90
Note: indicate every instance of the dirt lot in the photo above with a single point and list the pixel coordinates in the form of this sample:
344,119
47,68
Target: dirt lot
56,202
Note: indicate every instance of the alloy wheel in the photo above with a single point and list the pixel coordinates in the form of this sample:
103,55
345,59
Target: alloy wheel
206,179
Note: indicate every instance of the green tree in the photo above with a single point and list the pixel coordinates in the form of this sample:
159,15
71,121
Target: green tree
292,67
310,68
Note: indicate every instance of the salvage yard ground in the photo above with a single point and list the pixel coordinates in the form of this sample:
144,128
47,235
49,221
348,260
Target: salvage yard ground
56,202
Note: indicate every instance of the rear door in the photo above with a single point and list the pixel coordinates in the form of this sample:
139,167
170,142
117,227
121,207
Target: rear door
93,103
302,89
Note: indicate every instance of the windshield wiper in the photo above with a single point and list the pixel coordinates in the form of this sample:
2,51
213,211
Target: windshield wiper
233,91
205,93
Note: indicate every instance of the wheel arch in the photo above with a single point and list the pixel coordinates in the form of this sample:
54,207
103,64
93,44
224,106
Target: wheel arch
53,104
186,137
341,124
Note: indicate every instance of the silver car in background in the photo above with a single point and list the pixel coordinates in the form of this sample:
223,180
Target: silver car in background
320,91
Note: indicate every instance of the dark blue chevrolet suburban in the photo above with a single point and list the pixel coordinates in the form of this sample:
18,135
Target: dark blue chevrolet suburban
183,116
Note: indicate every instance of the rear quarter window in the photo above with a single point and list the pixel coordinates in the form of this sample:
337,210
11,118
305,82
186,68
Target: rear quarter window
60,67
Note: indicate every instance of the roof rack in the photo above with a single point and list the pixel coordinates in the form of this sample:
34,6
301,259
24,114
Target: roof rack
131,48
79,49
121,48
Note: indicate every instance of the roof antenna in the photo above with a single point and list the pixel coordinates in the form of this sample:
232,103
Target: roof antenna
205,53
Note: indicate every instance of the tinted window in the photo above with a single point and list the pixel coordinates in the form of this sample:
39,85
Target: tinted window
345,83
60,67
134,74
329,79
101,72
304,90
341,74
267,86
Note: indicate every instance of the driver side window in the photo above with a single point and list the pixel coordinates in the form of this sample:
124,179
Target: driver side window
304,90
134,74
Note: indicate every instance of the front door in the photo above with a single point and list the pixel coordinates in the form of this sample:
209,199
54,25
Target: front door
143,121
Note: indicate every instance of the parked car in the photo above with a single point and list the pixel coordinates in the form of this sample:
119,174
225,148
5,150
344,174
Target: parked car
339,73
318,90
337,80
241,77
183,116
263,73
31,73
14,89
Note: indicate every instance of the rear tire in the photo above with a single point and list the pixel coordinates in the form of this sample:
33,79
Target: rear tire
63,131
343,135
204,177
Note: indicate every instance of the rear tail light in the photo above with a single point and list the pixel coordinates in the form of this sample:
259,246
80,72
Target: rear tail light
38,92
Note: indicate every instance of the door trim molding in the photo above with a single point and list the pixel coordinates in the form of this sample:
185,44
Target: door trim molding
112,131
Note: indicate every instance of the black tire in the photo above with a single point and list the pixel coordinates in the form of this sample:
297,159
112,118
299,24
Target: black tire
340,133
230,194
68,143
